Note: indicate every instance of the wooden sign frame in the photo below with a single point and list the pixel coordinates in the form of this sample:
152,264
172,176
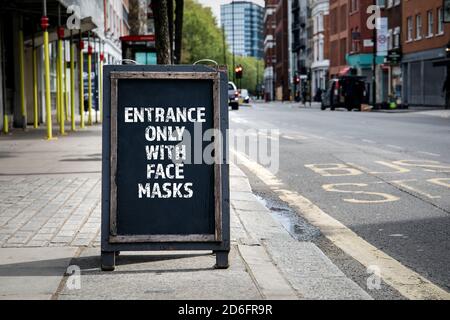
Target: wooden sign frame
112,242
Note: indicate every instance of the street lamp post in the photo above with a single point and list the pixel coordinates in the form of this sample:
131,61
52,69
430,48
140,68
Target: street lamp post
3,83
374,61
234,56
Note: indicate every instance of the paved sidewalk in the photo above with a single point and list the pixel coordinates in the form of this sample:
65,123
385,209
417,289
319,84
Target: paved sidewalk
50,190
437,113
50,219
429,111
440,113
49,208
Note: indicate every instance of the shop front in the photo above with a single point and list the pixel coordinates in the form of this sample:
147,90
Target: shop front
423,79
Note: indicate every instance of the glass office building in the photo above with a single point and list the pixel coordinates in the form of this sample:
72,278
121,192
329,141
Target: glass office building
246,18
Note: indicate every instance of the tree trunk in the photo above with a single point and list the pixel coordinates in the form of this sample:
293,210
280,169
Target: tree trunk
170,20
161,31
178,30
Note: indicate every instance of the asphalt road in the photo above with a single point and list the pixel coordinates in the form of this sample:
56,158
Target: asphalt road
385,176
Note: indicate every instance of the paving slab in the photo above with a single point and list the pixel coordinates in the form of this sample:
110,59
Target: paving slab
32,273
163,275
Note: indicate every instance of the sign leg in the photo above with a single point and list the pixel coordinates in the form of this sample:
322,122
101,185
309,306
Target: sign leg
221,260
108,261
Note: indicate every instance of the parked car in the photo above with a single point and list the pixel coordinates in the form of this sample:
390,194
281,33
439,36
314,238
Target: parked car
233,96
346,92
244,96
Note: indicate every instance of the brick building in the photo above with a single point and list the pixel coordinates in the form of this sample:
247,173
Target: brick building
338,36
270,24
392,64
282,80
424,37
301,50
360,51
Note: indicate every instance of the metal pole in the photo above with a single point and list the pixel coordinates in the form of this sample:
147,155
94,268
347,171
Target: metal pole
224,45
3,84
66,89
81,79
48,106
374,62
35,87
89,80
72,82
234,54
58,100
58,75
100,96
60,87
62,117
96,66
22,77
273,93
257,78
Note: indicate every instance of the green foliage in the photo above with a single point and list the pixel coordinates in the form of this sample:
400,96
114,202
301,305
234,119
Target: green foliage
250,65
203,39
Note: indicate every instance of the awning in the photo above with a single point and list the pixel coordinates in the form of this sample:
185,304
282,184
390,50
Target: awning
441,62
345,71
363,60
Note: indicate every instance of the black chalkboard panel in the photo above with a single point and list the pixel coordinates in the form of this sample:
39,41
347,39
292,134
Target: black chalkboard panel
189,209
173,215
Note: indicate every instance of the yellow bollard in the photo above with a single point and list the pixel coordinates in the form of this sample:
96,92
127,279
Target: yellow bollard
66,90
90,85
22,79
35,89
58,90
64,82
61,97
48,106
81,62
72,85
5,124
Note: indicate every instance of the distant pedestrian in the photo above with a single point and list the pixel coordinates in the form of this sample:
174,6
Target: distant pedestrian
446,91
318,97
304,97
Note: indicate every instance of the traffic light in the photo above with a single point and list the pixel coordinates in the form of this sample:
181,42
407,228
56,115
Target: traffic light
239,72
296,79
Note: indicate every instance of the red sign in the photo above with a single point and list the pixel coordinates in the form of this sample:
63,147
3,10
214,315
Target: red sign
144,38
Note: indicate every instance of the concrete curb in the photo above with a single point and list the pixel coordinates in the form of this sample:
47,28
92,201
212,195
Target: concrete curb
265,274
299,269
